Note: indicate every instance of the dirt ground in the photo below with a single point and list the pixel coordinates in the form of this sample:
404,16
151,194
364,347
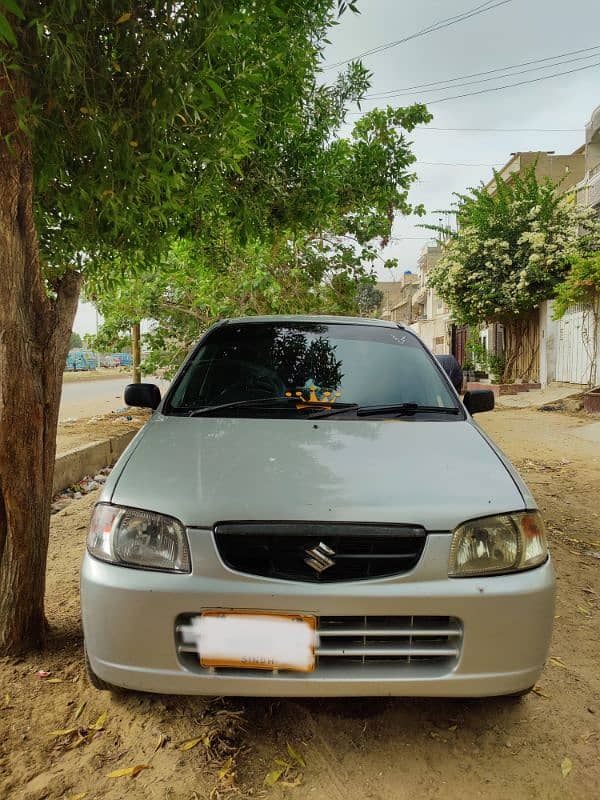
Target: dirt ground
101,374
544,747
83,431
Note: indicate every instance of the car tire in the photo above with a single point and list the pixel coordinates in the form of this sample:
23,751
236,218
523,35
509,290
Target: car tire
97,682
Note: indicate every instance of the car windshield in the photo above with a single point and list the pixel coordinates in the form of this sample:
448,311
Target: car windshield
290,369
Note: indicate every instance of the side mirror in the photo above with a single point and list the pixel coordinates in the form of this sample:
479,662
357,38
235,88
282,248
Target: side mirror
143,395
478,400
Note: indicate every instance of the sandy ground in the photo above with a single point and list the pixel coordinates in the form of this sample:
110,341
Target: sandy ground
83,431
544,747
102,374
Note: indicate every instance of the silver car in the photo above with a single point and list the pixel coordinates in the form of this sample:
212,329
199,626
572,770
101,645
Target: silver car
311,510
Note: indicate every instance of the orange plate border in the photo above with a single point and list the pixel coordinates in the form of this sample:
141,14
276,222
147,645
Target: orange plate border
310,619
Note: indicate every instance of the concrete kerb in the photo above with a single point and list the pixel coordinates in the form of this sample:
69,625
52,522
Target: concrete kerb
88,459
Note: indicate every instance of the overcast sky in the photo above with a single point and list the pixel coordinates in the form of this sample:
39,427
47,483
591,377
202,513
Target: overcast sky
515,32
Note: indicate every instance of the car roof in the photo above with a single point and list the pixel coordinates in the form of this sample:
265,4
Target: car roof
332,319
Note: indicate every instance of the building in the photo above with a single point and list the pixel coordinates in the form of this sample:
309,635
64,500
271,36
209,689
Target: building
568,170
588,190
568,352
431,316
397,298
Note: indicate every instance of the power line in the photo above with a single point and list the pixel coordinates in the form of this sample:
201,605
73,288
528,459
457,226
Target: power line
498,88
500,130
451,164
447,84
435,26
510,85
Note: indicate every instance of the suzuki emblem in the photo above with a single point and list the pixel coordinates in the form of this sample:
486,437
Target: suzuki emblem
319,557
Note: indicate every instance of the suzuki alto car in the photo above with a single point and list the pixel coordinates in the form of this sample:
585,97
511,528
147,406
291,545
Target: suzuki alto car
311,510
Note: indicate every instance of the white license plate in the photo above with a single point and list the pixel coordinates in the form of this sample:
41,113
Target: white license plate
256,640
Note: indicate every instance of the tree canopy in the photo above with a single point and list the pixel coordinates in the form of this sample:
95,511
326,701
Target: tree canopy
582,284
317,249
125,130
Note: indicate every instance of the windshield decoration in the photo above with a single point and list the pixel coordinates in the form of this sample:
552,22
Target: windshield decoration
326,399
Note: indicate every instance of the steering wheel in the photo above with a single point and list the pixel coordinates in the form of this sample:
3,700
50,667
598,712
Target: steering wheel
259,382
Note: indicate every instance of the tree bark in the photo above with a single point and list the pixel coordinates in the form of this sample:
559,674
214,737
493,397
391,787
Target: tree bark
135,352
35,327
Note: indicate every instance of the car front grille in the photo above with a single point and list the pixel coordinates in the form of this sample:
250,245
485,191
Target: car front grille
319,552
358,641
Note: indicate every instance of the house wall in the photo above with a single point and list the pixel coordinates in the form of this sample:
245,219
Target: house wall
548,343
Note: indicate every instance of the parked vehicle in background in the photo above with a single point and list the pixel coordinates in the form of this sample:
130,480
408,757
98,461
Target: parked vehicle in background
311,510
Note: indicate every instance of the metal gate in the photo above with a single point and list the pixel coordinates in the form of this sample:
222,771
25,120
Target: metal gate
575,348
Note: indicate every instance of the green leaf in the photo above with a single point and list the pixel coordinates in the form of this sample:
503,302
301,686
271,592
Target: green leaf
13,8
295,755
6,32
216,88
272,777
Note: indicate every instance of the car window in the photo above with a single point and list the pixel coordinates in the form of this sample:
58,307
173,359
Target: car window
344,363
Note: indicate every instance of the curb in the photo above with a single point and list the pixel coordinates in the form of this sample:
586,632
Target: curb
71,466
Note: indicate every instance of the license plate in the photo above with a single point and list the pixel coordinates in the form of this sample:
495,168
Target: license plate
256,640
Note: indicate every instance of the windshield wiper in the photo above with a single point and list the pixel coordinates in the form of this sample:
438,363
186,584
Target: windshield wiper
277,400
399,409
260,401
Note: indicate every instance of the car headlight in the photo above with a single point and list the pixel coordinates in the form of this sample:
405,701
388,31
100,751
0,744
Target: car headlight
499,544
140,539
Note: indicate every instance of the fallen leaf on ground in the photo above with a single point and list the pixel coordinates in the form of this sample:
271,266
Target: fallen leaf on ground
272,777
162,740
54,680
128,771
537,690
295,755
190,743
124,18
63,732
226,768
453,727
566,766
78,742
557,662
79,711
100,722
584,611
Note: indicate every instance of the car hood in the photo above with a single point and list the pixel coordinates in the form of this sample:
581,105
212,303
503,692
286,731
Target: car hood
205,470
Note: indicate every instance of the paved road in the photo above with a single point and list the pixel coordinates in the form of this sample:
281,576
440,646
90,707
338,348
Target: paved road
88,398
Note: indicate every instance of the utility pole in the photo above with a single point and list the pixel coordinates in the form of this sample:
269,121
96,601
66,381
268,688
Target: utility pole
135,352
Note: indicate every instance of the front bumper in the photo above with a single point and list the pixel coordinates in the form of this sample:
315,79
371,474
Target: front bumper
129,620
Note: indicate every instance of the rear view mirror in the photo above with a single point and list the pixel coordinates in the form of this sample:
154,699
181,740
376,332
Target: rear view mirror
479,400
142,395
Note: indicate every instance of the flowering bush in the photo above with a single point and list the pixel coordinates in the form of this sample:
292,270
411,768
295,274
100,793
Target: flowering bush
512,248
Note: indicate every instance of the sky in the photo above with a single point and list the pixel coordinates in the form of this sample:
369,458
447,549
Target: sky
514,32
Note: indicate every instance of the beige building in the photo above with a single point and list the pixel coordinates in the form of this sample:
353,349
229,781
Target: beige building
588,191
568,352
431,316
397,298
569,170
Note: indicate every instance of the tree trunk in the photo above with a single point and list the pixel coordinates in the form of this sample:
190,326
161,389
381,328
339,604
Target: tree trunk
35,327
135,352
